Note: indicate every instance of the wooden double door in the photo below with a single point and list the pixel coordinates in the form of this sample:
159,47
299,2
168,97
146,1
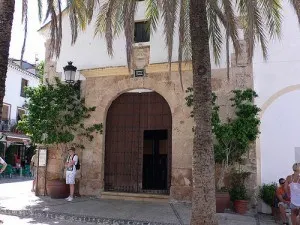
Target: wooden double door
138,144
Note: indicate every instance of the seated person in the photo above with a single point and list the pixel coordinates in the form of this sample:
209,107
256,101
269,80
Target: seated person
17,161
283,200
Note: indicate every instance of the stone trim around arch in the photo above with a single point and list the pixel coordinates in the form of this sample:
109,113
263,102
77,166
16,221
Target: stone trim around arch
275,96
264,107
101,91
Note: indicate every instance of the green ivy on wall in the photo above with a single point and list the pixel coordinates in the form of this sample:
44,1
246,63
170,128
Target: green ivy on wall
233,137
56,115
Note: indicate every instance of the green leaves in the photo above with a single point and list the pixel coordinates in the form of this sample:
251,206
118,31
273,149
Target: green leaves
57,112
233,137
266,193
238,189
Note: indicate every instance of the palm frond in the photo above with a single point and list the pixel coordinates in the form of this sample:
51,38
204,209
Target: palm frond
110,21
271,10
129,12
152,14
40,9
170,10
78,17
73,24
109,26
91,6
55,30
184,36
296,6
215,33
118,22
231,24
25,21
101,19
231,31
253,26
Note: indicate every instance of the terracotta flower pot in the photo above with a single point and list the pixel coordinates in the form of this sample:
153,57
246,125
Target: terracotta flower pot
222,201
240,206
57,189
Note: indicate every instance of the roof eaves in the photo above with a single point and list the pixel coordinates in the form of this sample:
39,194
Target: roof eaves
16,67
48,23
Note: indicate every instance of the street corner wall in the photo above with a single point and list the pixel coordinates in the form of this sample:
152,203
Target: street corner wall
51,171
240,77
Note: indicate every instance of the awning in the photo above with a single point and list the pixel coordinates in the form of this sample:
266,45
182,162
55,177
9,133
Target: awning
14,137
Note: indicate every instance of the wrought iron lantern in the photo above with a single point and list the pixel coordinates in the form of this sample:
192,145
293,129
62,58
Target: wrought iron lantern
70,72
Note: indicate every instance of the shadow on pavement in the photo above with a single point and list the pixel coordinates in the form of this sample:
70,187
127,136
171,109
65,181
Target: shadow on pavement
17,200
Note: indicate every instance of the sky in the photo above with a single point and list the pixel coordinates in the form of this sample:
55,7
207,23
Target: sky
35,42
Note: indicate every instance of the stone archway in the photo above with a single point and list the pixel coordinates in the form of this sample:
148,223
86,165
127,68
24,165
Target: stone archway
264,108
275,96
102,91
138,144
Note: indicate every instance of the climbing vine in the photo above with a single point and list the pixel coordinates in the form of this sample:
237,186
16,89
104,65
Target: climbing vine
56,115
233,137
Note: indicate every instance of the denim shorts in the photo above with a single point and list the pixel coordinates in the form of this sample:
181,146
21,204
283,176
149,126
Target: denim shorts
292,206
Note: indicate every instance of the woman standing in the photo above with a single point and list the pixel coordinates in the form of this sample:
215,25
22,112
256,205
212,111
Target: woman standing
292,187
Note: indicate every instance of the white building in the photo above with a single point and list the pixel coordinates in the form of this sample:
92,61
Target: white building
276,81
17,80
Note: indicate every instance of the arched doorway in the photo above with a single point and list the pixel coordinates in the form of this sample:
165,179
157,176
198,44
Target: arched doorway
138,144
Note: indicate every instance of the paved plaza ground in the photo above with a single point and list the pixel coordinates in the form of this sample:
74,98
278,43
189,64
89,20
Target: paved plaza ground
19,206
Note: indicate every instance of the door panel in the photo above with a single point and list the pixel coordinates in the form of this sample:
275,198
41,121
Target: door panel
127,118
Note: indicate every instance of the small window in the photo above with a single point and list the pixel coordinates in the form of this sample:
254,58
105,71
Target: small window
24,84
21,112
141,32
5,112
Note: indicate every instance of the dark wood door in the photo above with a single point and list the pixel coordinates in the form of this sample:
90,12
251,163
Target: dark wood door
155,164
127,119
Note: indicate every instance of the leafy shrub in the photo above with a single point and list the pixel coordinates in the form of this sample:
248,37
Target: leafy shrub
267,193
238,193
238,190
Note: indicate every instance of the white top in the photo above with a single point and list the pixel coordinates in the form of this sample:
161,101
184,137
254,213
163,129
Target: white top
75,159
295,192
2,161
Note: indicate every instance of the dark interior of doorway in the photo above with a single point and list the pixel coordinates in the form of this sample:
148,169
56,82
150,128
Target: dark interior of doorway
155,160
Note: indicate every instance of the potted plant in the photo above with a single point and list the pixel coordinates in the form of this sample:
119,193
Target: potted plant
222,199
238,192
267,194
232,137
56,120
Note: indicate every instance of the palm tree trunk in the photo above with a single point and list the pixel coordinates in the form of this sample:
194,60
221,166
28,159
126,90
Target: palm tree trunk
204,202
7,8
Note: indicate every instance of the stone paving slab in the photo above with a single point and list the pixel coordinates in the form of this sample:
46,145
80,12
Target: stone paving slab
227,218
125,210
15,220
17,200
224,219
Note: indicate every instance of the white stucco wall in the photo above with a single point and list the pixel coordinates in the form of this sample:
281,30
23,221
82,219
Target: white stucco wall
13,89
280,121
280,129
90,51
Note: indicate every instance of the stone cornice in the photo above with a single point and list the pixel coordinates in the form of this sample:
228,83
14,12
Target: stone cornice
123,70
